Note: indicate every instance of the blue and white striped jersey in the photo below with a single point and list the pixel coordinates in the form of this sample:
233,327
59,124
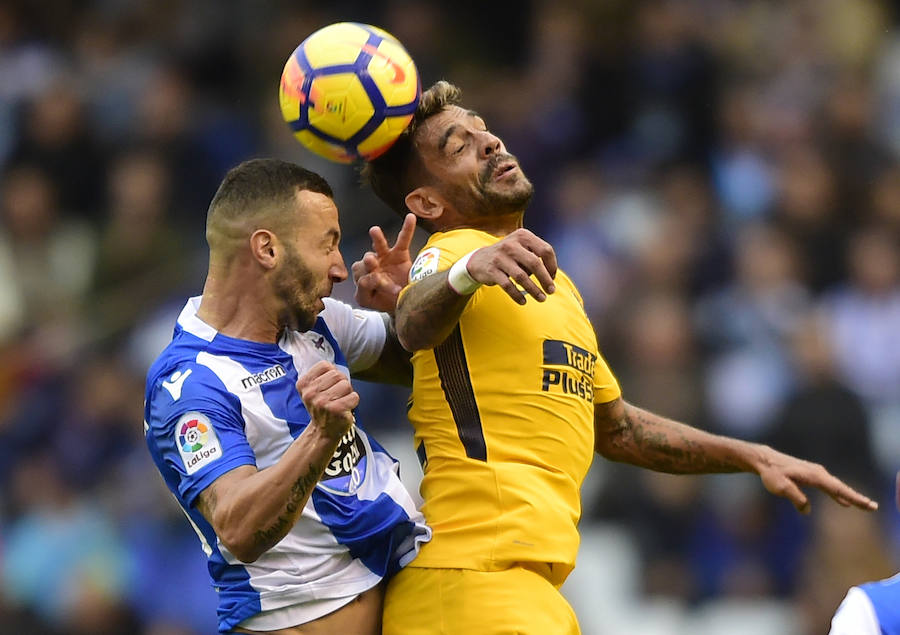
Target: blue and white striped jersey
214,403
872,608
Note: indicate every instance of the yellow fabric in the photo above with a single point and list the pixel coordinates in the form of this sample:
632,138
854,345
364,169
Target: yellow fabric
535,373
462,602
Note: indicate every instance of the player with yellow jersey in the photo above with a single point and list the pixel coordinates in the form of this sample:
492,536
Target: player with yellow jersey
503,432
511,397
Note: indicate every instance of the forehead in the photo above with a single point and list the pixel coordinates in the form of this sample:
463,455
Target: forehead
433,129
316,212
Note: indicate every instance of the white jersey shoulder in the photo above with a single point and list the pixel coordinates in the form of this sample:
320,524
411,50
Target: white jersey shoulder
855,615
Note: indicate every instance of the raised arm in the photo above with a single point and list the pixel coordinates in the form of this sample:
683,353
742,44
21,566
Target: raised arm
429,309
629,434
251,510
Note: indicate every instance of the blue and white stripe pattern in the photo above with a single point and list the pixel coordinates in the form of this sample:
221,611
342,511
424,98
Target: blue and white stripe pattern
214,403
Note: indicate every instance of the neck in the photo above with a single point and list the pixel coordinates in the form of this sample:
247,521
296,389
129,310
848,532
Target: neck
494,225
235,306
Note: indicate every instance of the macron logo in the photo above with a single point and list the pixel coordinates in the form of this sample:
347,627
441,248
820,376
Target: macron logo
176,383
270,374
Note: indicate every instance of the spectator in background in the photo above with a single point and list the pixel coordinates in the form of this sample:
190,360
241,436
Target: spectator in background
49,258
56,137
806,211
743,328
141,261
863,315
63,557
821,417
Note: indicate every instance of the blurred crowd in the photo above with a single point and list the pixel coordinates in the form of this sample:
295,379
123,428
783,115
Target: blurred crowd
721,178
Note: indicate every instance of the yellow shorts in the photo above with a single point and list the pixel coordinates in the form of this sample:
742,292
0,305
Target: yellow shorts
464,602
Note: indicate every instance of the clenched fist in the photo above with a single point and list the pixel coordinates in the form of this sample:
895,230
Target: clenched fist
329,398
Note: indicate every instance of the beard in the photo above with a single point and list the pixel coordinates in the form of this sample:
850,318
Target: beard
295,286
502,199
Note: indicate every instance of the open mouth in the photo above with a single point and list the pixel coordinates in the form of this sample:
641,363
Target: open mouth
504,170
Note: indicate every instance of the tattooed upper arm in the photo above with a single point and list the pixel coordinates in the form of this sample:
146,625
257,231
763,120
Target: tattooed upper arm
208,500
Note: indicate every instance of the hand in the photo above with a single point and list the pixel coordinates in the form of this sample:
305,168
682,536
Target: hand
329,398
382,273
783,475
512,262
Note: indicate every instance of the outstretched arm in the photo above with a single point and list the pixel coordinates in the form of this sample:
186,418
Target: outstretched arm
251,510
629,434
430,308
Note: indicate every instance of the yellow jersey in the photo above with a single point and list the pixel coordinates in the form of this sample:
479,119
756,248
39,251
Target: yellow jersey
503,412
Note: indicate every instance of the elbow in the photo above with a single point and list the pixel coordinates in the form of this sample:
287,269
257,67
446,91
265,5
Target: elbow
248,556
410,338
242,549
604,448
410,342
239,543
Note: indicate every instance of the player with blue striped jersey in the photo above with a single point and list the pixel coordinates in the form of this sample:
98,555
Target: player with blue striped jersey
249,416
872,608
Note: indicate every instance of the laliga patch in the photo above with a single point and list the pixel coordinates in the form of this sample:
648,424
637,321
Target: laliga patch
425,265
197,442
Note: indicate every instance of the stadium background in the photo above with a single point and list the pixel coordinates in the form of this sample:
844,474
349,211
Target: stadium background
720,177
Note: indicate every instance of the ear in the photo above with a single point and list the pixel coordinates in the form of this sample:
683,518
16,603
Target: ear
425,204
264,248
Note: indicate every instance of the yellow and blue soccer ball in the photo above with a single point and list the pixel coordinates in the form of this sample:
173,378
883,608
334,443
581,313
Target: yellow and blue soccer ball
348,91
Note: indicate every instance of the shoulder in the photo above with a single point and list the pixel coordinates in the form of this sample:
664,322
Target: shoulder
855,615
445,248
178,384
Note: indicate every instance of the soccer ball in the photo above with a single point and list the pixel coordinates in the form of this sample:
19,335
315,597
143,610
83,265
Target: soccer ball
348,91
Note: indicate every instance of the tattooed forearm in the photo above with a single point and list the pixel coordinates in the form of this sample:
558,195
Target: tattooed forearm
428,312
300,492
648,440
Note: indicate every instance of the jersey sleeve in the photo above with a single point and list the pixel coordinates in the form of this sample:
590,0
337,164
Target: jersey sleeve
197,429
855,615
442,250
360,333
606,388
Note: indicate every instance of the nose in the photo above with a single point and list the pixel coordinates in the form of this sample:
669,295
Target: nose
338,270
490,144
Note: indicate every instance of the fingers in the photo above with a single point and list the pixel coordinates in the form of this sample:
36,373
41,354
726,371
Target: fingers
323,384
847,496
320,377
379,242
543,250
818,476
404,238
786,487
513,261
367,264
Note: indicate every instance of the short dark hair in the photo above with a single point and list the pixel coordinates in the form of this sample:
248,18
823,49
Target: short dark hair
259,183
400,170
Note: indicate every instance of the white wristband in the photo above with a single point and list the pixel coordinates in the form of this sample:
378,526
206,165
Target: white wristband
459,279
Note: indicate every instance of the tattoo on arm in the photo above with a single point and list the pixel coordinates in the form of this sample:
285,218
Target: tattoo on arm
648,440
300,492
207,501
429,312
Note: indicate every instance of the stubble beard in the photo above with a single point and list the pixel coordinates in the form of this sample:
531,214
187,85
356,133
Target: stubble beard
504,200
295,285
